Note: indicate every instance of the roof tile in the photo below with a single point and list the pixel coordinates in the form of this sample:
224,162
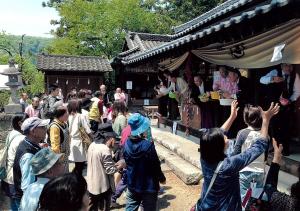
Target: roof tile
72,63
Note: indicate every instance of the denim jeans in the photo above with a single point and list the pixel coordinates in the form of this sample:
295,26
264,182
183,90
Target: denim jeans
245,180
121,186
147,200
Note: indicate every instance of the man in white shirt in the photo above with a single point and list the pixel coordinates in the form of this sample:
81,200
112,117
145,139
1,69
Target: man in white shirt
13,140
179,88
283,86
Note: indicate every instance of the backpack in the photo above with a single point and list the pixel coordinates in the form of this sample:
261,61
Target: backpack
61,133
45,110
4,154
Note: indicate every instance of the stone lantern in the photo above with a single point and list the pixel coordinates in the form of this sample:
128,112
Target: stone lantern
13,83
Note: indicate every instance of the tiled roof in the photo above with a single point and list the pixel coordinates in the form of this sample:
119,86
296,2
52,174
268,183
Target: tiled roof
72,63
140,42
226,7
238,18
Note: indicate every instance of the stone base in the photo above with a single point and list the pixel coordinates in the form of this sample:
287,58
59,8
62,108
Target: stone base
13,109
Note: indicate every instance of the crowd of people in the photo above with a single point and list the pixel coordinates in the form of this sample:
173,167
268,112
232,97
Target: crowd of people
280,85
97,133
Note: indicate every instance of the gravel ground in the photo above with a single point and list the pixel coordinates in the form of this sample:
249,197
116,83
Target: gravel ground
176,196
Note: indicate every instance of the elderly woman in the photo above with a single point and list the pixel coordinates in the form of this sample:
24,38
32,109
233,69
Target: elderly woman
59,134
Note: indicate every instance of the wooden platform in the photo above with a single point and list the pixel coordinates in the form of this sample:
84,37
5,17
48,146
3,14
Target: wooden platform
150,110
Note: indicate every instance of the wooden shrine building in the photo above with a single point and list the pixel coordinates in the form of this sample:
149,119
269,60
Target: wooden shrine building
80,72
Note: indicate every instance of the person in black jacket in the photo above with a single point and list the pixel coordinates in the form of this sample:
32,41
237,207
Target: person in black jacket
35,130
199,88
282,86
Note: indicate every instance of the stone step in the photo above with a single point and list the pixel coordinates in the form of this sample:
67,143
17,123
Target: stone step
183,147
188,173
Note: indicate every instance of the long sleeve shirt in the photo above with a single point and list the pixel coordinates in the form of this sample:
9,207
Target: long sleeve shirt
268,78
27,176
225,192
100,170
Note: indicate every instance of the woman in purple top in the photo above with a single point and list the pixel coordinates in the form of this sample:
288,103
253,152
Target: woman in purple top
225,190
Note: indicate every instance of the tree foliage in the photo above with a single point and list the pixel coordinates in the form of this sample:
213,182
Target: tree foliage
98,27
25,58
181,10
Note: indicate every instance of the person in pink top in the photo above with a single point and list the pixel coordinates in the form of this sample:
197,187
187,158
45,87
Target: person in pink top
119,95
224,85
33,110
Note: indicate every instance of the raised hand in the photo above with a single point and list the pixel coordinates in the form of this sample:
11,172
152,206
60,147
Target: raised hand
273,110
234,109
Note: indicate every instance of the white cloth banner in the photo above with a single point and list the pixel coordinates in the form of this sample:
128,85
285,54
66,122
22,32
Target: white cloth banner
257,51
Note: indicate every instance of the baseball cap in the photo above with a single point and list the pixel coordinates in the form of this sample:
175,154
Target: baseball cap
33,122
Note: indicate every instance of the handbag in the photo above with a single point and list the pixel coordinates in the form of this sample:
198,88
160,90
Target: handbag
3,156
85,138
256,203
195,207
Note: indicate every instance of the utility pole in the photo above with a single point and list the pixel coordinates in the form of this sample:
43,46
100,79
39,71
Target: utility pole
21,52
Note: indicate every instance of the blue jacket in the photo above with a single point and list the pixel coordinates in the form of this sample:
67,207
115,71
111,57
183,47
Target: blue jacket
225,191
143,166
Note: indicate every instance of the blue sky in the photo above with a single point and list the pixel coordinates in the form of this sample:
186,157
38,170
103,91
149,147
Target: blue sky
26,17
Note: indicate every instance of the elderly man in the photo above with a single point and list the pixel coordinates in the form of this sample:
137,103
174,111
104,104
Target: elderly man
23,100
177,92
33,110
101,168
105,94
282,86
199,88
35,131
45,165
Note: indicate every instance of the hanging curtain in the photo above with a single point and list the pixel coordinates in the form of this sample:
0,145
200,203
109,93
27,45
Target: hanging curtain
173,64
188,69
257,51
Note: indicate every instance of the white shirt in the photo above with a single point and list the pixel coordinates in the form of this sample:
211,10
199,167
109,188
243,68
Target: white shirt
296,89
12,153
201,88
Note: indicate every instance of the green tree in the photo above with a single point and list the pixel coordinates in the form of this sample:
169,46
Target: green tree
181,10
98,27
9,48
